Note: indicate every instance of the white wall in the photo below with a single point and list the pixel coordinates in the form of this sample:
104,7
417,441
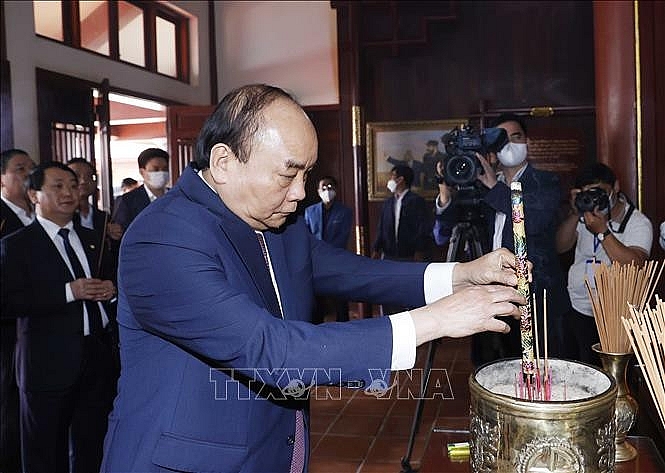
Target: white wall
26,51
290,44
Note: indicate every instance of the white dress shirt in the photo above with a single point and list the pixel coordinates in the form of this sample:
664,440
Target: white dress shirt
52,231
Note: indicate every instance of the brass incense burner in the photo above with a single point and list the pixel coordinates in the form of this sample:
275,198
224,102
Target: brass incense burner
572,433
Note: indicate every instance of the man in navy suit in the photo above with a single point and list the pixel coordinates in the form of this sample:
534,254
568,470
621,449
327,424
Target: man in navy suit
63,357
217,282
154,168
16,211
403,228
542,198
330,221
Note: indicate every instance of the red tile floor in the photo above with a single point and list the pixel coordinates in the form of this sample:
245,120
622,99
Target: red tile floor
354,432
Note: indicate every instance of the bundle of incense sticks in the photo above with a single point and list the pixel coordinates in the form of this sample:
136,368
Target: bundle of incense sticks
526,333
646,330
540,389
616,287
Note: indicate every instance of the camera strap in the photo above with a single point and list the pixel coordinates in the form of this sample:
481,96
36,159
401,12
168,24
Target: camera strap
626,217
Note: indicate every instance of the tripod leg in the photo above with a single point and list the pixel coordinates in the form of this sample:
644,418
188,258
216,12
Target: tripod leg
406,460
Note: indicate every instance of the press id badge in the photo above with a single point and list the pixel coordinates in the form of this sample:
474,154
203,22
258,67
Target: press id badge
591,267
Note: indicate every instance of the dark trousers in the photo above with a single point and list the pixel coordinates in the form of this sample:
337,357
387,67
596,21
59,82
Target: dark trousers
10,441
65,429
581,335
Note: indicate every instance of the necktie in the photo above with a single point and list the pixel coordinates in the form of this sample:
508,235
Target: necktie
94,315
298,458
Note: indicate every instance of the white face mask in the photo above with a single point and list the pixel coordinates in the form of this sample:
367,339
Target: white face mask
513,154
157,179
392,186
327,195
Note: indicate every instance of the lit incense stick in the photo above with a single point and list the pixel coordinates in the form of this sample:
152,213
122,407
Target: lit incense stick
522,277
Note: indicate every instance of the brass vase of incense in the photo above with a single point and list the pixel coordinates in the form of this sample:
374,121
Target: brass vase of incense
625,411
572,433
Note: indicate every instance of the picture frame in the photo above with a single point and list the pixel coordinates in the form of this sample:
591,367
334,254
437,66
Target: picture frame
393,143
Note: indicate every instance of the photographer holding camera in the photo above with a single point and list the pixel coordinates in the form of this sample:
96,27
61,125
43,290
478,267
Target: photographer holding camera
604,226
490,193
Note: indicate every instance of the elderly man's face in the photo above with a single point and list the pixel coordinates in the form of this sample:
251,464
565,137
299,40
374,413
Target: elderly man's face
266,189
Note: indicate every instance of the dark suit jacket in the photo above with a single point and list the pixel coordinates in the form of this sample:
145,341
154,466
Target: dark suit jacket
129,205
196,296
49,329
413,229
108,266
9,221
541,193
338,223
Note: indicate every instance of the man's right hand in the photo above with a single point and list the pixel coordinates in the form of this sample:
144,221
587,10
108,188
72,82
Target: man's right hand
444,191
92,289
471,310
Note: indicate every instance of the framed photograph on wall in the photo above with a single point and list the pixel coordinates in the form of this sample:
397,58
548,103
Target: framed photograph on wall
414,144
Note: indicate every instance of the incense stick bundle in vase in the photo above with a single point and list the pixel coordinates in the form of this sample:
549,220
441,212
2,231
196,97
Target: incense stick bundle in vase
616,287
646,330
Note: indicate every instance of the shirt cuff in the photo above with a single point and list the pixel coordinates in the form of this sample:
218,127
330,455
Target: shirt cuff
438,281
440,208
69,294
404,341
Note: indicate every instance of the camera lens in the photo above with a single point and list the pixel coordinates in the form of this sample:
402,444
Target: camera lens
461,170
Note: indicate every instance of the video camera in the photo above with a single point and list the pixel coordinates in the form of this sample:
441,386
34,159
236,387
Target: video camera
588,200
461,166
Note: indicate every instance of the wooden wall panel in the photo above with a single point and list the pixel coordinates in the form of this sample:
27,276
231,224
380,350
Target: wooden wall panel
438,60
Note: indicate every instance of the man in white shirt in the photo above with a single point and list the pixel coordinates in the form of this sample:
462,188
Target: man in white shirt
608,229
15,212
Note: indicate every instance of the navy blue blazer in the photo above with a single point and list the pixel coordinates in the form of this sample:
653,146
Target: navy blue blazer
206,356
413,231
129,205
542,197
338,223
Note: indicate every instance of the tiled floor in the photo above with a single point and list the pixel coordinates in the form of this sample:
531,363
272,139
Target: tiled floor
355,432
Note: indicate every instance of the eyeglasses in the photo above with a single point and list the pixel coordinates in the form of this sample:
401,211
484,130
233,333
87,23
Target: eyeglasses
324,187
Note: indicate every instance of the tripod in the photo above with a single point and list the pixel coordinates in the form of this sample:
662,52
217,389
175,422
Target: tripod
465,245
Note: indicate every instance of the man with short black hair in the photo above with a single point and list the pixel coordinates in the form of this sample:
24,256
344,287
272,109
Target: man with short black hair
154,168
330,221
16,211
542,197
613,231
402,232
64,363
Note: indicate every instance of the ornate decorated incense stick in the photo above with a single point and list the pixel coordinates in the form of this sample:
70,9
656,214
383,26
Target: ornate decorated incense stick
522,280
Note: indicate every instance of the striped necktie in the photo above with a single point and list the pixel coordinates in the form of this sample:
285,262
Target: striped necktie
298,458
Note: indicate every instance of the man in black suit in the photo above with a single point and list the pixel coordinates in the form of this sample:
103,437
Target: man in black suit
64,361
542,198
403,225
15,212
89,216
154,168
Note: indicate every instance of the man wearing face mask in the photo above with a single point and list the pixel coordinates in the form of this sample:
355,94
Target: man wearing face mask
614,231
542,197
154,168
330,221
403,225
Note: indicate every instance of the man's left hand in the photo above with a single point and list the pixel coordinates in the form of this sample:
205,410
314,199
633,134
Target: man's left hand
497,267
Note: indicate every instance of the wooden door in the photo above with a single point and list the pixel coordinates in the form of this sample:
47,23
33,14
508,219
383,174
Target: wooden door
65,117
183,123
